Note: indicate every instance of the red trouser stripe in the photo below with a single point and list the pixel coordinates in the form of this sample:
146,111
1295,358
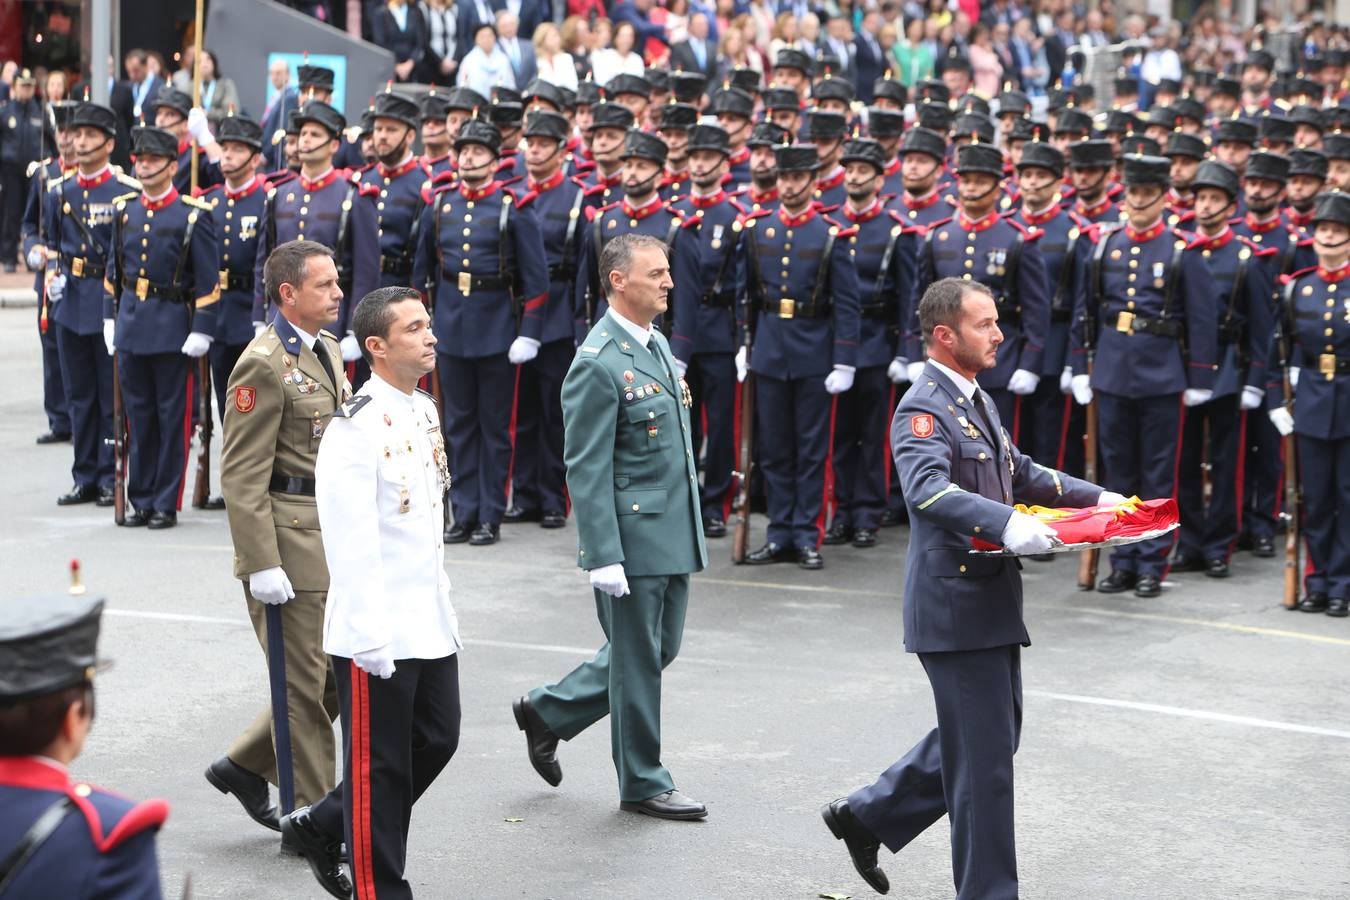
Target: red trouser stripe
358,783
827,495
187,432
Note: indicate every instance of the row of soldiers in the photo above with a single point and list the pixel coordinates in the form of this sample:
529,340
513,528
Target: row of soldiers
798,249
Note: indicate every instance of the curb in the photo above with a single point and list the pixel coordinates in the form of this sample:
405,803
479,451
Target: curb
18,298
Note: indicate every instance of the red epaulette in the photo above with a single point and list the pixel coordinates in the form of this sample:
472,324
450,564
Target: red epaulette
844,231
1115,190
1068,192
1030,235
593,211
367,190
595,189
950,200
740,210
202,192
424,165
1295,276
141,817
940,222
1306,242
1236,220
512,180
527,199
689,222
426,191
1257,249
445,177
1193,241
279,177
579,182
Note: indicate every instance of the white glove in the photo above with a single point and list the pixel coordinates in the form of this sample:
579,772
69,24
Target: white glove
838,381
197,344
1252,397
1283,420
1066,381
1026,535
681,367
56,289
1023,382
610,579
198,126
915,371
109,328
1196,396
36,258
1110,498
1293,376
897,371
378,662
1081,385
270,586
742,363
351,350
522,350
259,328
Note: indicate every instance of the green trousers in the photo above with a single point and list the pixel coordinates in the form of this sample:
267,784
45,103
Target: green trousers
643,631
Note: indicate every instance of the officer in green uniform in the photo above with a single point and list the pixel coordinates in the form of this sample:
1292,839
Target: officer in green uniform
634,489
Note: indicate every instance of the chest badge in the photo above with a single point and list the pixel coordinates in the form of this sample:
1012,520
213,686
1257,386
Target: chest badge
628,376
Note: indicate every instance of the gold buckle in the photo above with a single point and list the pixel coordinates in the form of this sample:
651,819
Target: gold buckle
465,283
787,309
1326,364
77,267
1125,322
224,280
142,288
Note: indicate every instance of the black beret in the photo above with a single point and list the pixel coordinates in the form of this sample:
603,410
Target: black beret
890,89
641,145
171,98
797,157
925,141
481,132
1276,128
1235,131
687,87
1040,155
974,125
546,91
624,83
94,115
1073,121
611,115
825,126
732,101
767,134
677,117
434,106
1264,164
1091,155
709,137
936,91
240,129
979,158
833,89
547,124
788,58
588,93
1303,161
1012,102
782,98
1262,59
323,115
389,105
506,115
1141,169
48,644
1332,207
1215,174
1140,145
746,79
885,123
936,116
864,150
466,99
146,141
320,78
1179,143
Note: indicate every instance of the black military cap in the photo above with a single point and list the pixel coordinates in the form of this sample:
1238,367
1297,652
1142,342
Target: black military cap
241,130
546,91
1091,155
389,105
171,98
659,79
1336,118
979,158
1073,121
1140,145
1228,87
1236,131
797,158
1165,116
767,134
687,87
825,126
709,137
827,61
1262,59
1332,207
1169,86
547,124
1192,146
1203,77
1276,128
1011,102
641,145
973,103
292,123
788,58
1308,162
48,644
732,102
1040,155
318,77
588,93
933,90
94,115
1141,169
890,89
62,110
148,141
1272,166
781,98
956,61
465,99
677,117
1189,108
1062,98
434,106
611,115
1118,121
1215,174
366,127
864,150
1336,145
833,88
885,123
24,76
925,141
1304,87
624,83
569,98
746,79
974,125
323,115
1025,129
1126,87
502,94
506,115
481,132
936,116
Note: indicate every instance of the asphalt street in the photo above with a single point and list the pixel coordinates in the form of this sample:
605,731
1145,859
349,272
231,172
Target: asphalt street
1191,746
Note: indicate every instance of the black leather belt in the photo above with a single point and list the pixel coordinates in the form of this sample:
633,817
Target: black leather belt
144,289
1230,333
395,265
1129,323
236,281
80,267
791,309
475,282
289,484
722,301
874,312
1329,364
1060,315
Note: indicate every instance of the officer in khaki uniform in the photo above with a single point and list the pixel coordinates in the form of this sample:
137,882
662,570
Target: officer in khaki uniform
282,394
634,489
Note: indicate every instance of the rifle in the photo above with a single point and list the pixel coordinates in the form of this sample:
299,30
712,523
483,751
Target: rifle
745,456
1293,497
119,441
201,487
1088,559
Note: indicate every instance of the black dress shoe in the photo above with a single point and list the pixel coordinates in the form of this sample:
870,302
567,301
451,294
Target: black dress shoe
670,805
1041,557
862,846
1216,568
1188,564
53,437
80,493
1147,586
540,743
485,534
250,790
810,558
713,526
106,496
771,553
1245,542
301,837
553,518
839,533
864,538
136,519
1118,582
1263,546
891,517
1338,607
515,515
459,532
1314,601
214,503
159,520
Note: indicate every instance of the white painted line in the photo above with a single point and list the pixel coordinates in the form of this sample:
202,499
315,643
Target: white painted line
177,617
1183,712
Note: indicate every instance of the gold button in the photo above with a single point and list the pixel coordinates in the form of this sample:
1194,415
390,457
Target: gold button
1134,251
1129,304
466,232
1129,292
385,193
785,260
1134,264
970,251
651,414
83,790
982,456
632,223
1331,289
380,205
468,218
635,507
469,205
970,236
229,215
227,242
1329,332
465,248
963,568
977,529
295,521
1131,278
304,210
1325,316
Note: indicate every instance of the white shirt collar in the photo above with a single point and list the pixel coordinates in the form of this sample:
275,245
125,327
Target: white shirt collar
378,387
964,384
640,334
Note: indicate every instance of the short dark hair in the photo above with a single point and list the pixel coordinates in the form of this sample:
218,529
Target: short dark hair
941,303
618,255
373,317
28,726
286,265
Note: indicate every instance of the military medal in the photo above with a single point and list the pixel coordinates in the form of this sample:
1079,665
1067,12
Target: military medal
628,376
285,361
629,396
317,431
1158,270
652,431
641,392
404,503
686,397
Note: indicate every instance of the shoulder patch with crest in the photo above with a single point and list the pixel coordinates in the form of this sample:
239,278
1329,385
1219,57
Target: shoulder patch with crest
921,426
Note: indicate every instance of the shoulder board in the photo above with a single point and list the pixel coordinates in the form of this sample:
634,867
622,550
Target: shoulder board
424,166
1295,276
527,199
123,198
1068,192
367,190
740,208
595,189
351,407
607,207
950,200
55,183
1306,242
690,222
426,394
141,817
1236,220
1008,213
843,231
35,165
194,201
827,210
747,219
1026,233
278,136
579,182
211,190
129,181
508,182
324,332
1115,190
1255,248
941,222
442,188
426,191
1191,239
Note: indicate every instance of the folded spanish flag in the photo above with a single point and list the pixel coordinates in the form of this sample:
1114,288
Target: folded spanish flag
1097,525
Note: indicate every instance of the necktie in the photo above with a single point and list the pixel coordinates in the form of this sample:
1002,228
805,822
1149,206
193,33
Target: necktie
513,51
699,53
326,361
982,403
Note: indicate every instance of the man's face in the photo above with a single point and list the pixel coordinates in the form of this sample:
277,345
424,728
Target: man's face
1338,174
1144,204
1329,241
474,162
506,27
1089,182
65,143
787,119
1211,206
639,176
135,69
317,298
92,145
279,73
642,293
1183,171
237,158
1222,105
763,166
170,120
390,139
409,349
434,133
1235,153
314,144
1262,194
707,167
919,172
607,144
787,77
736,127
956,80
541,155
829,150
1255,79
861,181
834,106
154,171
583,118
291,146
24,91
1307,136
1038,186
1303,189
635,103
677,143
453,120
974,341
977,191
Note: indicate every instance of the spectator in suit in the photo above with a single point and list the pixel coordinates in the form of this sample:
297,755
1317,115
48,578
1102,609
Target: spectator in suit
554,64
913,55
619,57
870,60
143,83
1031,59
439,62
529,13
486,65
399,27
277,114
635,12
839,41
473,14
520,53
696,54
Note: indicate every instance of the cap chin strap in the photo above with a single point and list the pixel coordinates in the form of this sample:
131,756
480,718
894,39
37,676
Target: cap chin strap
242,167
155,174
1100,183
1337,245
1269,201
1216,219
977,198
791,199
643,187
1139,207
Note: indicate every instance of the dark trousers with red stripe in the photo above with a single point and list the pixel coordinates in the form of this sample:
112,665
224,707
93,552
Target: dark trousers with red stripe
860,457
478,394
398,733
794,440
1139,439
155,395
1052,427
537,471
712,381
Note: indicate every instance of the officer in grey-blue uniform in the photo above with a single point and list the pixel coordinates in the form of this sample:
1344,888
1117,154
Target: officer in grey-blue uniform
25,138
962,613
163,285
483,260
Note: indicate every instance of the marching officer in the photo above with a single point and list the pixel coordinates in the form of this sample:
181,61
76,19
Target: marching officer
172,111
1153,310
402,184
783,108
1318,329
735,111
802,311
1211,431
608,130
921,203
709,274
78,219
432,113
884,254
1090,167
1307,177
162,288
673,124
1186,151
887,127
827,130
482,259
24,139
762,191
